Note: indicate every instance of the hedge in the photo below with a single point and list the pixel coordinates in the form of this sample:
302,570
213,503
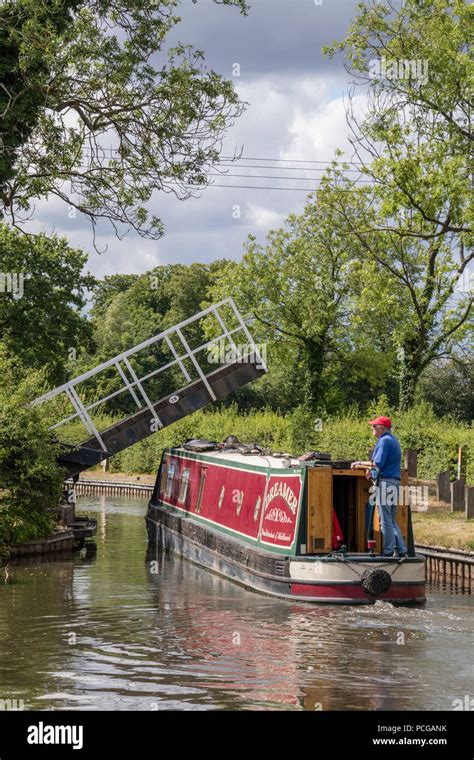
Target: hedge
345,437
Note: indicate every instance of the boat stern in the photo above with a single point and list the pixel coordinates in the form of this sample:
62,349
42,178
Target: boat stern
358,578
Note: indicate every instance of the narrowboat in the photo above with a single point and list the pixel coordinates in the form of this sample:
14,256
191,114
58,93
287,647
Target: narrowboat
299,530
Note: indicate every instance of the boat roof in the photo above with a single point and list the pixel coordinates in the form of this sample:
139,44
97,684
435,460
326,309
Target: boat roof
234,457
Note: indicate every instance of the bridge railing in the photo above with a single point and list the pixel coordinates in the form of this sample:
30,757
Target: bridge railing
183,356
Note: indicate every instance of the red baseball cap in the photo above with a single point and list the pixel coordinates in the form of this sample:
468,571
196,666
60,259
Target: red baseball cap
385,421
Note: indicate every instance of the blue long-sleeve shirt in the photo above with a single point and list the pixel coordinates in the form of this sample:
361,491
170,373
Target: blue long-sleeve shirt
387,456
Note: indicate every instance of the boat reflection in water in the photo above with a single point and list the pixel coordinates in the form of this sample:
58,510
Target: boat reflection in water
266,653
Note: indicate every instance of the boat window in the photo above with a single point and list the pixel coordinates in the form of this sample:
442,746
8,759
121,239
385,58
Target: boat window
202,480
169,480
183,488
221,497
240,500
164,477
257,507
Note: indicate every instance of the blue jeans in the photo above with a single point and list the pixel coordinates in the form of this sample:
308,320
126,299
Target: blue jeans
387,501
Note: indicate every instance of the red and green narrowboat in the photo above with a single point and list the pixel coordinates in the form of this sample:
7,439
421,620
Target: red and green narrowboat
281,526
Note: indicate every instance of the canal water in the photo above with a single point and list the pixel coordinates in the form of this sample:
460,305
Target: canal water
120,630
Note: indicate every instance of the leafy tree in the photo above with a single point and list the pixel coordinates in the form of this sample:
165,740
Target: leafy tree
417,60
147,303
449,387
418,280
300,289
106,289
24,77
95,74
43,292
414,142
30,479
129,309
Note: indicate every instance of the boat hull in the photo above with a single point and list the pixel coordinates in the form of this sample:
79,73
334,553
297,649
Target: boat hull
336,579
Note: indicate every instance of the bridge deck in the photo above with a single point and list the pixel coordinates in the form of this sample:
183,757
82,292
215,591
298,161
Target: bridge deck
246,364
138,426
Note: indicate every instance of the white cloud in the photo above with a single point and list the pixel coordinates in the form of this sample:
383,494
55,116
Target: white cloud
263,218
288,117
319,131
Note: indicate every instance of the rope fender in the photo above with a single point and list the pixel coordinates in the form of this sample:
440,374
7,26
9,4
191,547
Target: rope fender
376,581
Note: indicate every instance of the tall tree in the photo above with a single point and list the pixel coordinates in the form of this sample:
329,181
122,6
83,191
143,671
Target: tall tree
30,479
42,294
300,289
414,143
449,387
421,276
97,112
23,78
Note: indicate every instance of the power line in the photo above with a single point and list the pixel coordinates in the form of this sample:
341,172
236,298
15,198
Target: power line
87,153
238,165
293,160
259,187
272,176
310,165
235,159
167,182
283,168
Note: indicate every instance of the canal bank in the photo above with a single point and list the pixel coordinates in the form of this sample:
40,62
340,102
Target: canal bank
129,630
70,534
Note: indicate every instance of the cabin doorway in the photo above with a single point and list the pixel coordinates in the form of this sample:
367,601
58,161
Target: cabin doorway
345,494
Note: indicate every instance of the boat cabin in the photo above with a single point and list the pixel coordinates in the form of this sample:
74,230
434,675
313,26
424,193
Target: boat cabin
275,503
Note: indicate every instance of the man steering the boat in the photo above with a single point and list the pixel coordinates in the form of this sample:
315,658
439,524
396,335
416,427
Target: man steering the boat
384,471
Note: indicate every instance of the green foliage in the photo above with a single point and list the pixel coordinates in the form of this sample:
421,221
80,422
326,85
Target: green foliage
18,525
449,387
436,440
30,480
43,324
81,72
130,308
347,436
106,289
264,427
302,290
360,293
127,310
23,73
74,432
415,224
436,32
